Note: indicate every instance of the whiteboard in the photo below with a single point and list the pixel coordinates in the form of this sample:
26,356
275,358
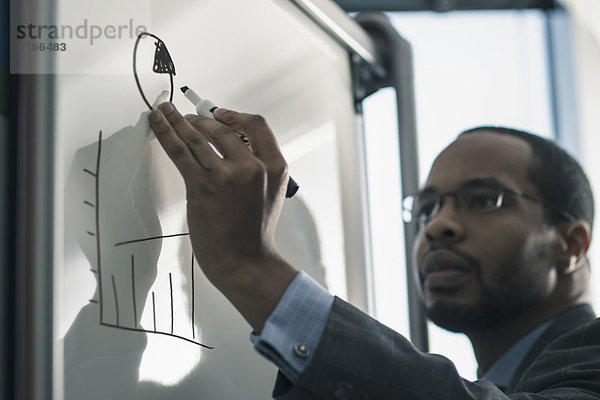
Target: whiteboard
134,316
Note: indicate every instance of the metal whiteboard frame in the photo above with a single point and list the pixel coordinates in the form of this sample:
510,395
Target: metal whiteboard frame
7,221
442,5
395,54
31,120
380,58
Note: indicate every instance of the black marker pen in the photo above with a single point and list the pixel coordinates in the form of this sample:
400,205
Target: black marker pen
206,108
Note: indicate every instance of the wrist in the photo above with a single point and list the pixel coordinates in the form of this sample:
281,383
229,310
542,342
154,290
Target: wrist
254,285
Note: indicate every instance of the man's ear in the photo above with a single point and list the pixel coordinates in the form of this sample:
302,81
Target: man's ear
576,243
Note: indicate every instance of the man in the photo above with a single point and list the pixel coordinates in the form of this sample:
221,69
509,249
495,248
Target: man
495,238
510,273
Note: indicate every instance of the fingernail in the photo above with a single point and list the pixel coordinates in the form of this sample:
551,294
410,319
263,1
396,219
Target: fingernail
221,112
189,116
167,108
155,116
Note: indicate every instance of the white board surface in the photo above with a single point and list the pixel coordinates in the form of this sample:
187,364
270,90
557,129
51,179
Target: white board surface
133,311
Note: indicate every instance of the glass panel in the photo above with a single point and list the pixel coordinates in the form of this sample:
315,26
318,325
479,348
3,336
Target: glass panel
384,186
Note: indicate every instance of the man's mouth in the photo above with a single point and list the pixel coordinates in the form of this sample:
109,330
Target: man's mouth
444,269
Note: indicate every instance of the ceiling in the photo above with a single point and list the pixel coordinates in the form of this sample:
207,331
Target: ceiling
441,5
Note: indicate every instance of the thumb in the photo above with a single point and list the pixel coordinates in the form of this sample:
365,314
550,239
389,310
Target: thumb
225,115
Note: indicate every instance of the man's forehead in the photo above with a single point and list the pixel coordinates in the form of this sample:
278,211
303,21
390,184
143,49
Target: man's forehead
482,154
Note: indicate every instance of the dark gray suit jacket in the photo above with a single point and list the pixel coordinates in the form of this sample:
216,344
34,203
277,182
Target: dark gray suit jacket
359,359
564,322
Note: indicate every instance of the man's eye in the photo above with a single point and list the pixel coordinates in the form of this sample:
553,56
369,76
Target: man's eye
482,201
424,209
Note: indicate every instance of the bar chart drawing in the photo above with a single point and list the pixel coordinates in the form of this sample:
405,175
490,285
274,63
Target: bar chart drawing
107,282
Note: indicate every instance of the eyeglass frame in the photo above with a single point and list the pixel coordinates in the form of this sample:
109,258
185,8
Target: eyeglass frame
493,183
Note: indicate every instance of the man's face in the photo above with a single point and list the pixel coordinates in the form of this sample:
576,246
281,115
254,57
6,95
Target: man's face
475,270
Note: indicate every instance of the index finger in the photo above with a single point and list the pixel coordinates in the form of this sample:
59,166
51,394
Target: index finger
175,148
225,139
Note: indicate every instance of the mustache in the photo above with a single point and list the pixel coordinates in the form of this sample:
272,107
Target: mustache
471,261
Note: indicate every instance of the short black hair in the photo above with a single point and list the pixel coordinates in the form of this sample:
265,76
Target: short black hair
559,178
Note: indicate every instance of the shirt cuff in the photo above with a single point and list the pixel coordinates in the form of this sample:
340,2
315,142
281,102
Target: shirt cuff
293,331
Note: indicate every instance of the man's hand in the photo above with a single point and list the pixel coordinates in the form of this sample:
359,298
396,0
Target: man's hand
233,203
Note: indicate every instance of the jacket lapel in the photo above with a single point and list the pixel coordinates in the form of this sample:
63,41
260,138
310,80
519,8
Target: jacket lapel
566,321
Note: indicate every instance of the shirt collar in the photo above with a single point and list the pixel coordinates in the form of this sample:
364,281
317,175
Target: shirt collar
502,371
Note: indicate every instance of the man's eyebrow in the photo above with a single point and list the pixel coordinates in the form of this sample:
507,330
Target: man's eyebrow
482,181
476,181
427,189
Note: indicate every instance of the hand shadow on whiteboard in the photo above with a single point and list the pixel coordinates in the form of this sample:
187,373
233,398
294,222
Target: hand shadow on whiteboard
107,200
234,369
297,239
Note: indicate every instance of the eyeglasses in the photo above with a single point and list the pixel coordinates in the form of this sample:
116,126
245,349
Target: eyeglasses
474,197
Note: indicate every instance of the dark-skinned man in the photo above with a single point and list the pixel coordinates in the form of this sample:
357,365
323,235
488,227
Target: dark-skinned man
493,252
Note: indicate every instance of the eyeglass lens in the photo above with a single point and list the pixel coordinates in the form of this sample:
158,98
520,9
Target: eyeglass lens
470,198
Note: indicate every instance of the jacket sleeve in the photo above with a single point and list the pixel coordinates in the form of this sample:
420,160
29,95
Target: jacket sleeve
359,358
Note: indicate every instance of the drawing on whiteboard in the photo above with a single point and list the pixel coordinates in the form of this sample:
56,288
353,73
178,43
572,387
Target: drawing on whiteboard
163,64
118,303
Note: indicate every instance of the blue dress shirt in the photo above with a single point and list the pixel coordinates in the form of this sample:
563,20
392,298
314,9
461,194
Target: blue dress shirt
503,370
294,329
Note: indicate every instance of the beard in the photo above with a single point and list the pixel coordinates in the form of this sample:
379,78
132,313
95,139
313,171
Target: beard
508,296
460,317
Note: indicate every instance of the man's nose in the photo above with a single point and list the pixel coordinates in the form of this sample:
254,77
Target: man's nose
447,225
